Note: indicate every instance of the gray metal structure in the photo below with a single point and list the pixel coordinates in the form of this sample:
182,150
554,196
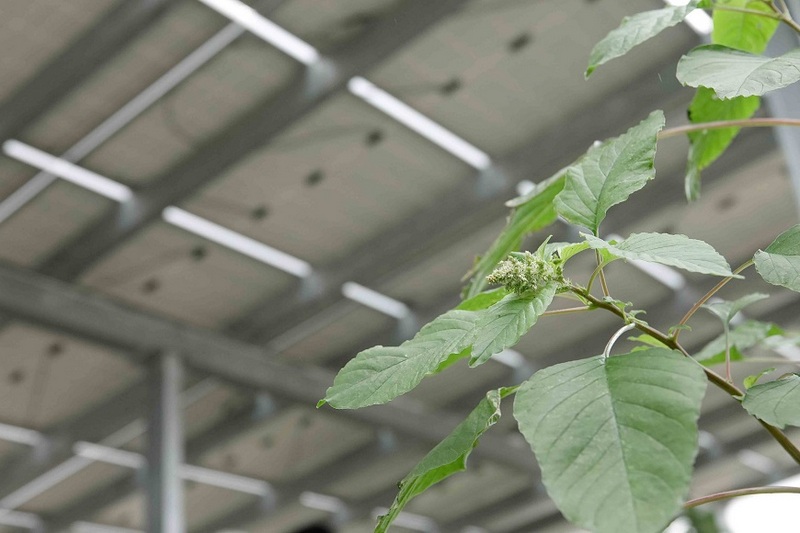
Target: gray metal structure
162,380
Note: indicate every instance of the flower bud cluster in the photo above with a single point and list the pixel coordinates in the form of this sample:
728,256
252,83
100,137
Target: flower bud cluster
526,272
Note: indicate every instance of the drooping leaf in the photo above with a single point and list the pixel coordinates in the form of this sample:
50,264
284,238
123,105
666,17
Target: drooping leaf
707,146
731,73
382,373
615,438
530,215
674,250
448,457
776,402
726,310
502,325
635,30
744,31
744,336
609,174
779,264
483,300
750,381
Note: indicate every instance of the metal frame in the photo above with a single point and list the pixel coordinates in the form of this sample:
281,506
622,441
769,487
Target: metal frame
257,128
54,81
55,305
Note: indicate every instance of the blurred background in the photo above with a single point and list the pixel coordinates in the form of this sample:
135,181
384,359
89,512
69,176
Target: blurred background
208,207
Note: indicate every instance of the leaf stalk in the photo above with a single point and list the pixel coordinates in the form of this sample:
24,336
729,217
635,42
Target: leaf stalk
728,494
707,296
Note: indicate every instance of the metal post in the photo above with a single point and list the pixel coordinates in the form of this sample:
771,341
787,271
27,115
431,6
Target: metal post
165,447
783,103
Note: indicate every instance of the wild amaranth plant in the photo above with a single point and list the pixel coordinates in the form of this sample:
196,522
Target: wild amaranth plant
615,436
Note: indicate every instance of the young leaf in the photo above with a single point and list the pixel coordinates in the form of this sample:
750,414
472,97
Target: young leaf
615,438
448,457
673,250
532,214
565,250
483,300
505,322
750,381
779,264
776,402
746,335
708,145
648,340
743,31
609,174
634,31
731,73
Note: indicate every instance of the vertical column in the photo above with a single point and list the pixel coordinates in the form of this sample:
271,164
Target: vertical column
784,103
165,447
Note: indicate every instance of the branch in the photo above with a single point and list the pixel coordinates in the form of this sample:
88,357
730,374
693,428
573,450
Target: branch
712,376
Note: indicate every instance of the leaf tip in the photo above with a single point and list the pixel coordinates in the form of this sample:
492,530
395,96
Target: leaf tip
322,402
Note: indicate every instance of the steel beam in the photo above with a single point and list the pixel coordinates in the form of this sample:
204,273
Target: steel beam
783,103
55,304
87,54
261,125
165,446
463,211
29,465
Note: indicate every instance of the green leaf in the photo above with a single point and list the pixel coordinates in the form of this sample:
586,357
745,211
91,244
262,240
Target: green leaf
502,325
634,31
731,73
750,381
776,402
532,214
615,438
609,174
726,310
483,300
779,264
744,336
708,145
448,457
380,374
674,250
743,31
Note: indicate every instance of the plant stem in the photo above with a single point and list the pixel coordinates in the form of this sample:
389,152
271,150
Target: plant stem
728,494
712,376
714,290
784,15
566,311
603,282
718,124
727,328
